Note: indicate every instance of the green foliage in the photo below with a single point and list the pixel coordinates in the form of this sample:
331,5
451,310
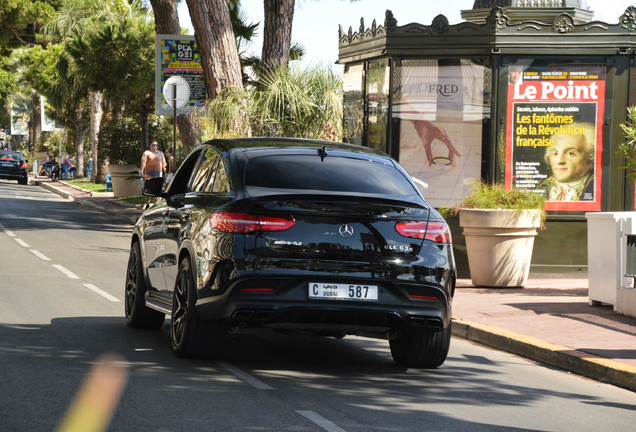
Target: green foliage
122,142
287,102
20,21
51,142
124,51
496,196
627,149
7,84
39,67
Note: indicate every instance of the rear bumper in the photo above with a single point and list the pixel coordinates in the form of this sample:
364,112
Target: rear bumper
284,303
13,175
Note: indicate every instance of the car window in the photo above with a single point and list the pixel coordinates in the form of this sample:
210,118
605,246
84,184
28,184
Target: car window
181,180
331,174
221,184
11,154
208,162
207,171
218,182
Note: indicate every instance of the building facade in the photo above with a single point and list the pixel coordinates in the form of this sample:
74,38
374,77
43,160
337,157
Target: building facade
529,93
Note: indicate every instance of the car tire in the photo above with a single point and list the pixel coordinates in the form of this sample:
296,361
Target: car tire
190,335
23,181
421,347
138,315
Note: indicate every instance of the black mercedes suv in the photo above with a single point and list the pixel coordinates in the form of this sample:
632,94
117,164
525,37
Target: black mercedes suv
292,234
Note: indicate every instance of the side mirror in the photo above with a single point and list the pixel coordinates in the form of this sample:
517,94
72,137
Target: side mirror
153,187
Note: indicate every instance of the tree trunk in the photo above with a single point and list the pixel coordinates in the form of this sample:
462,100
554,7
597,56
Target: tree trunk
95,121
189,131
167,22
147,107
81,129
279,15
36,123
215,38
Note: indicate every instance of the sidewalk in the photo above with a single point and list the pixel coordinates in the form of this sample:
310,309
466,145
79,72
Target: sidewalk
548,321
100,201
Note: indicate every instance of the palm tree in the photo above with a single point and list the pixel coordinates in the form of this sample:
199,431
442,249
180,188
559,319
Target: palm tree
74,20
288,102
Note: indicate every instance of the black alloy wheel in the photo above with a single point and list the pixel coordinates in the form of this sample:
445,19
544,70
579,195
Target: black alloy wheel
138,315
190,335
421,347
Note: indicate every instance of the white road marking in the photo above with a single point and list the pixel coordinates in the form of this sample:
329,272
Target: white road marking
22,242
67,272
40,255
9,233
244,376
101,292
320,421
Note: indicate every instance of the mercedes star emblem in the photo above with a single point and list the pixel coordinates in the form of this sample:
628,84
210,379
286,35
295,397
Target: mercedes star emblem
346,230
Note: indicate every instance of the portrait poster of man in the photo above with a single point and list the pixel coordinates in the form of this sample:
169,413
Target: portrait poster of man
554,135
440,107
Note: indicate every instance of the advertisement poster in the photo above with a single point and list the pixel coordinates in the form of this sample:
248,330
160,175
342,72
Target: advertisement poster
441,107
48,124
554,138
19,122
178,55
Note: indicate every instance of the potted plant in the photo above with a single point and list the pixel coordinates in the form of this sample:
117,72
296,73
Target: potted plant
499,227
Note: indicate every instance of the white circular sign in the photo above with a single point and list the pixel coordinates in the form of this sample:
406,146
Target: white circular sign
183,91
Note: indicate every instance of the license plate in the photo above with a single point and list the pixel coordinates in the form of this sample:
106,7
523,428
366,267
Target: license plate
331,291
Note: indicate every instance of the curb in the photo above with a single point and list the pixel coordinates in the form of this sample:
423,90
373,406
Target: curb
569,359
86,202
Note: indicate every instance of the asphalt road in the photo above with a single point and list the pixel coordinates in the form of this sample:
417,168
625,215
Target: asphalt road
62,272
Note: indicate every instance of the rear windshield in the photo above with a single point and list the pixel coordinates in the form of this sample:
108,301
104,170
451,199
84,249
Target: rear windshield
309,173
11,154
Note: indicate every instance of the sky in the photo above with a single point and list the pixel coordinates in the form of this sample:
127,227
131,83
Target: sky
316,22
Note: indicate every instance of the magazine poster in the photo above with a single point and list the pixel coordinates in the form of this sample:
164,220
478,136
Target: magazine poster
554,137
179,56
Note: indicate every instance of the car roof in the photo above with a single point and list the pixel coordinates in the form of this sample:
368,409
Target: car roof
264,145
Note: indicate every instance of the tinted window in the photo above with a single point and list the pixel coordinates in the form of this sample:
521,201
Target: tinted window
182,178
11,154
220,184
205,171
332,174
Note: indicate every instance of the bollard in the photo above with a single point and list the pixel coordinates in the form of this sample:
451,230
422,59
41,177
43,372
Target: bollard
35,168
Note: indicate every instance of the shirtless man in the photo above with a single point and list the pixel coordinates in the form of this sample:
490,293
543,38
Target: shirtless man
153,165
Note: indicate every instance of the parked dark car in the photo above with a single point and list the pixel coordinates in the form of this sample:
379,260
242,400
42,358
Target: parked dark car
293,235
13,166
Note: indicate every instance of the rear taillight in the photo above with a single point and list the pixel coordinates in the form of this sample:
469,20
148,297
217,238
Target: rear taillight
437,232
245,222
24,165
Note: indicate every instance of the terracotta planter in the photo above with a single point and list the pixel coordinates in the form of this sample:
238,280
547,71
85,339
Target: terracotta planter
125,181
499,245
